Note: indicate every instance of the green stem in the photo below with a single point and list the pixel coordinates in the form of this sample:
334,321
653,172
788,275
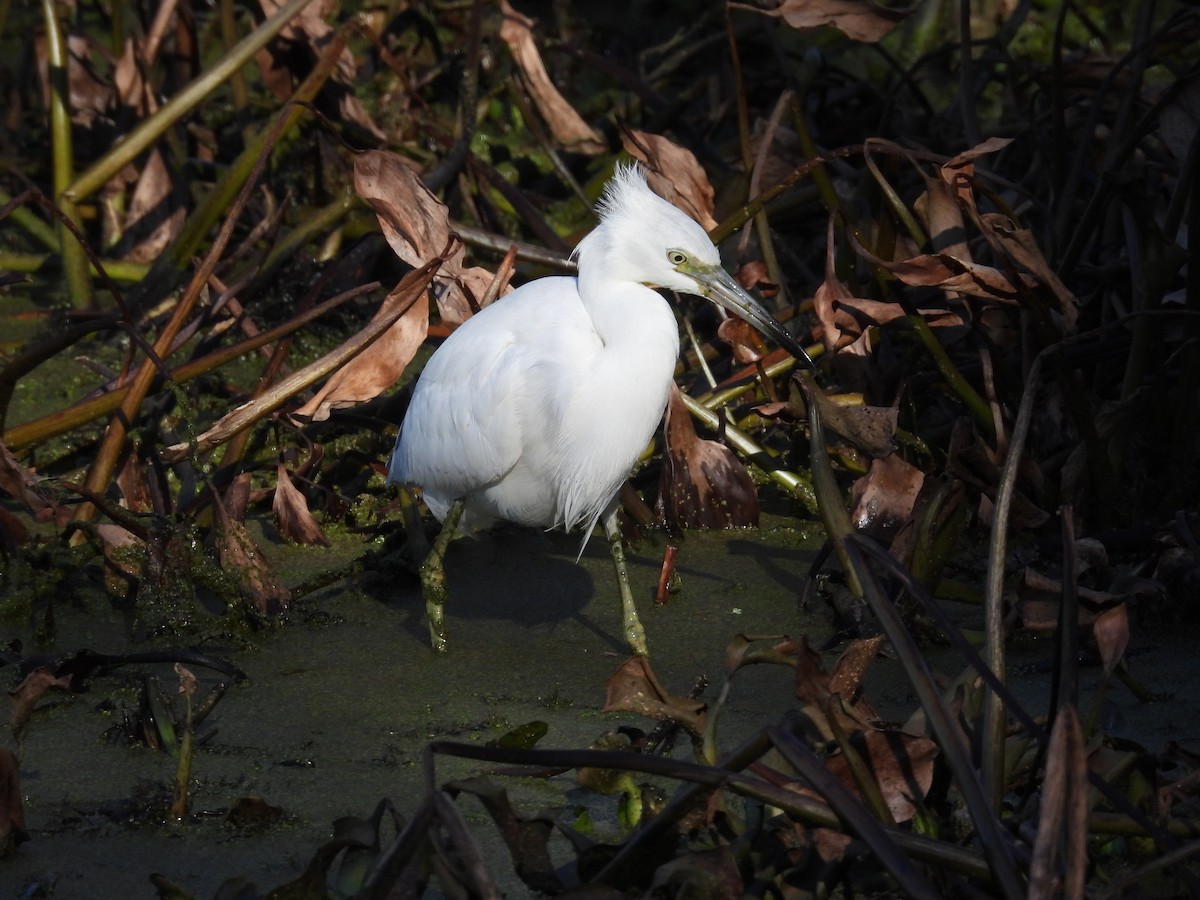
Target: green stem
152,128
79,286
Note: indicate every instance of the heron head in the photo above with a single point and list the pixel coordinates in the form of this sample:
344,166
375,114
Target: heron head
643,238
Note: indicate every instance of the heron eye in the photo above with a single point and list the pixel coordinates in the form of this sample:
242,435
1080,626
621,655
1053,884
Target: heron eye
676,257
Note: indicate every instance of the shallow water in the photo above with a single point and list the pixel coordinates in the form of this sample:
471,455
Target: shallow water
340,703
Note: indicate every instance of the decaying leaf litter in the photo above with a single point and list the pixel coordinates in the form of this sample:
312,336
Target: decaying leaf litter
986,250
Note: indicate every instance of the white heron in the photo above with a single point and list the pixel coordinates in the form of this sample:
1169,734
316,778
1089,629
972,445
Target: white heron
535,409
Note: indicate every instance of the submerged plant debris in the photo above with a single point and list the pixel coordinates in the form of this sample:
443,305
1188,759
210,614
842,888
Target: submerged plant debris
228,236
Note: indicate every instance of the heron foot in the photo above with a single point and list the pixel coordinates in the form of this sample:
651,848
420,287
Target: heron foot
433,590
635,635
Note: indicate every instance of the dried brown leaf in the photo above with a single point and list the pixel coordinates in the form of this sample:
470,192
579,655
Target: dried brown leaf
634,688
567,126
155,216
703,484
860,20
24,697
871,428
292,515
703,873
310,26
938,208
883,499
187,680
1112,635
901,763
674,173
12,814
846,677
748,345
237,552
416,225
1062,814
1022,248
741,652
19,483
379,366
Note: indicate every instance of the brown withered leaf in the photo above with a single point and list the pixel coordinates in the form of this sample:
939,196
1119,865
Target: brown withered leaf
19,483
237,553
870,428
24,697
131,479
861,20
567,126
949,273
748,345
12,813
938,208
703,873
310,26
753,276
416,225
1020,246
846,676
828,293
290,506
1062,814
674,173
90,96
703,484
1111,630
378,367
883,498
972,461
634,688
13,532
901,763
741,652
155,215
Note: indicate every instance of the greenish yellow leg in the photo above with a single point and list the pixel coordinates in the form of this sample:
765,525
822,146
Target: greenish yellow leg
433,578
635,635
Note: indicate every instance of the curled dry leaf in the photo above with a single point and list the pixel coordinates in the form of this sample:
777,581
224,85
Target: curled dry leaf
884,498
310,27
901,763
237,552
634,688
704,873
870,428
416,225
703,484
155,214
567,126
950,273
741,652
187,680
1020,246
379,366
12,813
753,276
25,696
748,346
292,515
674,173
1111,630
861,20
19,483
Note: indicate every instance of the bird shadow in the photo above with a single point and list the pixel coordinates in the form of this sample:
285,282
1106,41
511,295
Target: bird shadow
523,577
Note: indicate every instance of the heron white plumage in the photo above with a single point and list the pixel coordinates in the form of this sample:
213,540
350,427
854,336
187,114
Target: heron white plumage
535,409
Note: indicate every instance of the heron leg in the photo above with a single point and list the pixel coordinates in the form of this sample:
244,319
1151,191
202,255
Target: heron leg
433,578
635,635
